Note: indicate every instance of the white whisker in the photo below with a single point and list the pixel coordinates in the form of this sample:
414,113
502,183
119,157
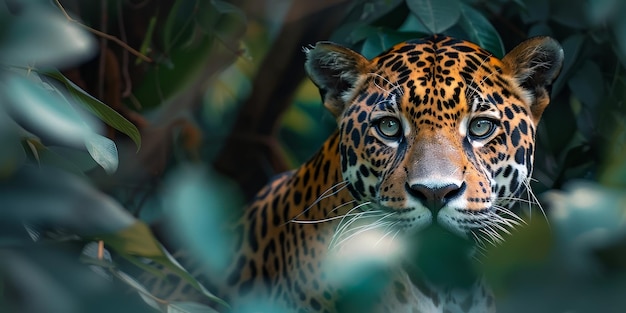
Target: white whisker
323,196
344,233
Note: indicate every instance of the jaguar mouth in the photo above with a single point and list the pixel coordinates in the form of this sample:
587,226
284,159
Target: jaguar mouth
478,225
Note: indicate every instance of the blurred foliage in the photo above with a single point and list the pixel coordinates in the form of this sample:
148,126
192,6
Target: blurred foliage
99,139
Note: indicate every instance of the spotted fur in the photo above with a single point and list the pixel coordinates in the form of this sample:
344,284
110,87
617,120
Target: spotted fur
435,131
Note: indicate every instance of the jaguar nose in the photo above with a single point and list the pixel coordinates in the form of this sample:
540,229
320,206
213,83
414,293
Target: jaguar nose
435,197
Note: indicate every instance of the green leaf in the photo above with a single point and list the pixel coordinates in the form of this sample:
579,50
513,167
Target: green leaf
436,15
536,11
540,29
367,12
138,241
221,18
572,46
412,24
382,40
481,31
564,13
614,168
175,26
529,246
101,110
619,29
587,84
145,45
13,155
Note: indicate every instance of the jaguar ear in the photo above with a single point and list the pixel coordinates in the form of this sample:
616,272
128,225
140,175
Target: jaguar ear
336,71
535,64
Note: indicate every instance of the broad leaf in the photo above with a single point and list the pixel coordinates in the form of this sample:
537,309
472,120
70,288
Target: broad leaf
599,11
103,151
55,199
41,35
572,46
587,84
481,31
138,241
436,15
145,295
382,40
535,11
101,110
43,112
189,307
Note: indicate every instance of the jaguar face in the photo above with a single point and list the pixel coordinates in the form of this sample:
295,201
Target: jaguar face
438,130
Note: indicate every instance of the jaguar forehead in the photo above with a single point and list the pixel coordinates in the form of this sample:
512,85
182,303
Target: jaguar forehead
428,71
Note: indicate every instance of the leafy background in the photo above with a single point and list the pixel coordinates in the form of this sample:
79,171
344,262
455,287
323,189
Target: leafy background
122,120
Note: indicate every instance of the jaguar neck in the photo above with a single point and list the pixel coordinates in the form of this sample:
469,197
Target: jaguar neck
318,188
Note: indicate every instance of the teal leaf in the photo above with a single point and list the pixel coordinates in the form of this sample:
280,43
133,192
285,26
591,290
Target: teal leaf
586,216
600,11
436,15
55,198
43,112
198,205
412,24
41,36
480,31
189,307
103,151
145,295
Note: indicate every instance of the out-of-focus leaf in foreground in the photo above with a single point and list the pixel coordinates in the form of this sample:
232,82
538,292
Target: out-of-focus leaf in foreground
51,198
199,203
43,112
137,241
586,217
39,35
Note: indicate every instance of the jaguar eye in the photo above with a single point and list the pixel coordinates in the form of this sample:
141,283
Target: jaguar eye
481,128
389,127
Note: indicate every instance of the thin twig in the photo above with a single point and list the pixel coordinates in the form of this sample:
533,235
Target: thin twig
104,35
100,250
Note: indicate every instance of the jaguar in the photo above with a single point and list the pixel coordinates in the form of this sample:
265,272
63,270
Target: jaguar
435,136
